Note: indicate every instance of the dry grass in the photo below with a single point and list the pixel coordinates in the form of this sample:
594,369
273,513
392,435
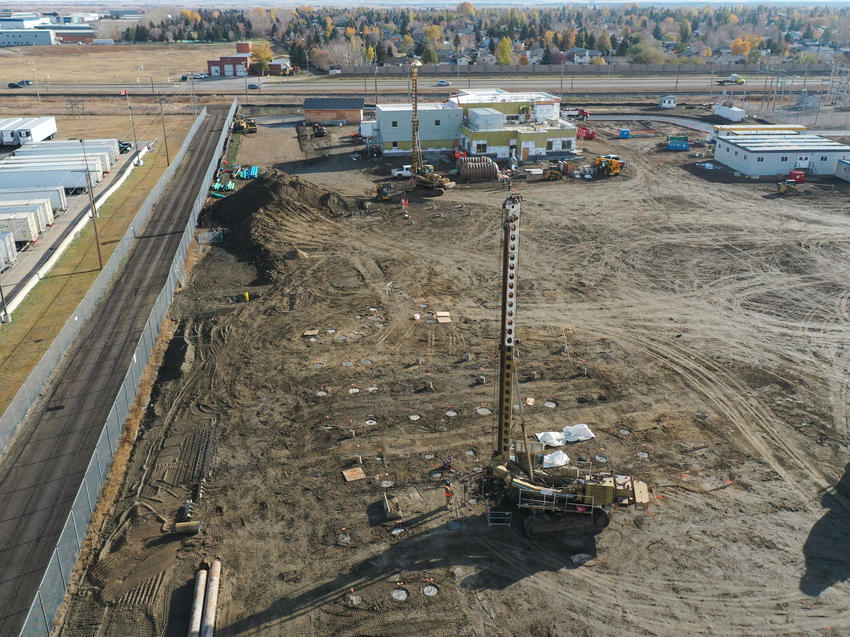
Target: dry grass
69,64
41,316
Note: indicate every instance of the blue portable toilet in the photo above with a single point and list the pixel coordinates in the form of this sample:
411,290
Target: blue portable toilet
625,133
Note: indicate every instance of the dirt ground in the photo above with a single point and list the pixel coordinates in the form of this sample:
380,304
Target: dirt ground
697,327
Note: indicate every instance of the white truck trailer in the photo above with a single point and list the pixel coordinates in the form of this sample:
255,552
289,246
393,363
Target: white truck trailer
41,207
109,144
8,251
43,176
22,225
47,152
56,196
95,163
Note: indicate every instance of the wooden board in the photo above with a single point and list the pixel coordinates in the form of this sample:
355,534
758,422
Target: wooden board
356,473
310,333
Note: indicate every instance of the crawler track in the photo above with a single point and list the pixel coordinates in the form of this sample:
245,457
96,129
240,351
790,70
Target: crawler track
42,470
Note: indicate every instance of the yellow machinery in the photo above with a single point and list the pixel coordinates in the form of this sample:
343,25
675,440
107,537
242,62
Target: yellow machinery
606,167
243,124
789,187
423,174
569,499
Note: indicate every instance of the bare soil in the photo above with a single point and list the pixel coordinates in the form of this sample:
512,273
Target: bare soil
698,328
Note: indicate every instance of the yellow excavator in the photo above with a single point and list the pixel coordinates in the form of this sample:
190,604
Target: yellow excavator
242,124
569,499
789,187
606,167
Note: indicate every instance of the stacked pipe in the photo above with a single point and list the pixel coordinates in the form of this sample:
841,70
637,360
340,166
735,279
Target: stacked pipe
471,168
205,601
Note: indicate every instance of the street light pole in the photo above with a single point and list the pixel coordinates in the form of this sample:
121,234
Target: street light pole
93,207
35,77
133,125
5,317
164,134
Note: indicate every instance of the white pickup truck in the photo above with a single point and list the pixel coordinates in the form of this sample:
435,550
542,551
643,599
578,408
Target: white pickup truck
405,171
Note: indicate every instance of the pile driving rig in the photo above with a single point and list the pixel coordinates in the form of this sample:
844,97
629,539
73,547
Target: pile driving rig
570,499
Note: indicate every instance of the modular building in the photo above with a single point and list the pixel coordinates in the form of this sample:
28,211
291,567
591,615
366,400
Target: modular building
439,127
667,102
23,226
17,131
762,155
56,196
333,109
730,130
41,207
43,177
27,37
842,169
93,164
97,160
8,251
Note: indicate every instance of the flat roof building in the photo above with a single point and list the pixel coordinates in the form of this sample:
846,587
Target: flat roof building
758,155
27,37
439,127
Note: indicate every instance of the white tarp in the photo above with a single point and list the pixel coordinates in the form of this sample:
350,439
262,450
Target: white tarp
574,433
556,459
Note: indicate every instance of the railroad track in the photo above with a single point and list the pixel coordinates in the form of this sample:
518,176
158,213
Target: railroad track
43,468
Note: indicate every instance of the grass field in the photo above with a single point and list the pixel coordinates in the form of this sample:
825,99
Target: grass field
68,64
38,320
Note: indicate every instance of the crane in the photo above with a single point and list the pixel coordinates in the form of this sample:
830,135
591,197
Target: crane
565,499
423,174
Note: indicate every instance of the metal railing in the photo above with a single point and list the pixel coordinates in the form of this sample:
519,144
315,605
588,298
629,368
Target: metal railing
54,583
41,373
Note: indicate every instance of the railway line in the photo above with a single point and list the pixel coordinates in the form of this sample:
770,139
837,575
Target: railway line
43,468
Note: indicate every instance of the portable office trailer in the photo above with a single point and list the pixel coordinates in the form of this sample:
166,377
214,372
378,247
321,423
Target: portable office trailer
21,224
842,169
95,162
732,113
43,176
762,155
41,207
56,195
58,146
67,151
8,251
68,164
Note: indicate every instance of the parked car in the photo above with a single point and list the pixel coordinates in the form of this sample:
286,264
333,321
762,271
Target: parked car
403,172
200,76
254,86
25,82
443,83
15,85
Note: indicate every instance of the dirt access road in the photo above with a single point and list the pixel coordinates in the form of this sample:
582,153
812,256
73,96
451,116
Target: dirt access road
705,326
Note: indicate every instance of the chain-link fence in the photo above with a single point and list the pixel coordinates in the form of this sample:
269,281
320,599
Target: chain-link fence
55,580
38,377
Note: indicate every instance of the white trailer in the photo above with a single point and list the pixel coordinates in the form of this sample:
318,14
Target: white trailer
43,176
22,225
732,113
56,195
62,147
95,163
7,131
93,166
41,207
8,251
49,153
35,130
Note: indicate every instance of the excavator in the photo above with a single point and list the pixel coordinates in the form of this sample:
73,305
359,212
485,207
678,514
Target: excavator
245,125
790,187
606,167
573,499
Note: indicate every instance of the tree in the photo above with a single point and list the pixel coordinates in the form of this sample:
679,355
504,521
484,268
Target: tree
505,52
466,9
597,61
407,43
490,45
430,56
432,33
656,32
623,49
380,52
569,39
546,58
456,42
740,46
261,55
604,42
684,31
370,54
590,41
826,36
808,34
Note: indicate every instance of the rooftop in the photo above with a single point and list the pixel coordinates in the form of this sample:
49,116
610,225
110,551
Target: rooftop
495,95
333,103
776,143
422,106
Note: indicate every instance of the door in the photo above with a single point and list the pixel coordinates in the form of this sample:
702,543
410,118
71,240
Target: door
802,161
228,70
525,153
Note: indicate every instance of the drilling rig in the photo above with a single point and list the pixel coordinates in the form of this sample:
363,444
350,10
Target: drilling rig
423,174
570,499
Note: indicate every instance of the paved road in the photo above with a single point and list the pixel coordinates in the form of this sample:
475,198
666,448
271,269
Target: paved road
42,470
324,85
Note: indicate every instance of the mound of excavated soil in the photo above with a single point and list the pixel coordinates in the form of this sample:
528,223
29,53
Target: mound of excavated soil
255,216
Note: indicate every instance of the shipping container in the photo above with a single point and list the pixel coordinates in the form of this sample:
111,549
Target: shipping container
95,162
43,176
56,196
109,144
678,144
41,207
732,113
64,148
47,154
8,251
72,165
22,225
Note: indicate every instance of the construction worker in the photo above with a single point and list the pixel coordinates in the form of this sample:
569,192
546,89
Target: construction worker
447,489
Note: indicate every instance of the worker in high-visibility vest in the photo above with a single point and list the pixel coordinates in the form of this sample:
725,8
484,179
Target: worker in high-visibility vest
447,489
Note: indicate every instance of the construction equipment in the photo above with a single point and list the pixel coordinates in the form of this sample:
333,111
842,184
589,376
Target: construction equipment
242,124
423,174
732,79
583,132
574,112
790,187
568,499
383,192
606,167
557,171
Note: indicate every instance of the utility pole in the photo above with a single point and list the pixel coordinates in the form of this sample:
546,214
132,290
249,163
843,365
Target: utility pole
153,92
376,86
194,102
5,317
133,125
164,133
562,81
93,207
246,84
35,77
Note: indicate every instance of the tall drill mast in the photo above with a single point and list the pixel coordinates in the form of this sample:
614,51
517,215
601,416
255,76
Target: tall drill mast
416,166
510,264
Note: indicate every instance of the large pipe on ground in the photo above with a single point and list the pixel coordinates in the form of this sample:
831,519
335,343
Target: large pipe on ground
198,603
211,600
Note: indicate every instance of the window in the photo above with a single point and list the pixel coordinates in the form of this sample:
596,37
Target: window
727,149
783,159
745,156
395,124
481,148
436,122
760,159
395,144
823,157
550,145
736,153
